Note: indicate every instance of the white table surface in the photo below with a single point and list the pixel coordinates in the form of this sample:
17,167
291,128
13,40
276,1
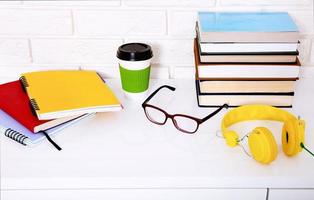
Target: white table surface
125,150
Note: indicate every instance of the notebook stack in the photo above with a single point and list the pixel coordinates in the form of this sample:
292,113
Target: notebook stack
48,101
246,58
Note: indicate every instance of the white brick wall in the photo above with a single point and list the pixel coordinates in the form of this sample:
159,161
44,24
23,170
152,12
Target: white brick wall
35,22
14,51
77,51
121,22
38,35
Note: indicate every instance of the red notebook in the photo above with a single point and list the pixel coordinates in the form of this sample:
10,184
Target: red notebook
15,102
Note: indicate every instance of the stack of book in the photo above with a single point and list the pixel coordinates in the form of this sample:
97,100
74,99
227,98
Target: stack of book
41,104
246,58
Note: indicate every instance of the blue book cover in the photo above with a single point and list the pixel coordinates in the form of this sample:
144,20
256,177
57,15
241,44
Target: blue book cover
246,22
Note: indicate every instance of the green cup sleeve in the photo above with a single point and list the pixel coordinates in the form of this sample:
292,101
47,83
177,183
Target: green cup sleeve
134,81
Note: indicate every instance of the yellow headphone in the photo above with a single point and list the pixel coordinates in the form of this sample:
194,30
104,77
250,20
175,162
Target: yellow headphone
262,144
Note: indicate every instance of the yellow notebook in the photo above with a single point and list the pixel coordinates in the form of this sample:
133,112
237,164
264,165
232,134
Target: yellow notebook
55,94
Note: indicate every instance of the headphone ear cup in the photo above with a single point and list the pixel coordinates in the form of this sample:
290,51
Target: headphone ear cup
231,138
292,136
262,145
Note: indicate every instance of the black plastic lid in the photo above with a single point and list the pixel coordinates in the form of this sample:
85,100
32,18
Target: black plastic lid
134,52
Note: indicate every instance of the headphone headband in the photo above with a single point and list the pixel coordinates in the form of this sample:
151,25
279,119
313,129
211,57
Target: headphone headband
254,112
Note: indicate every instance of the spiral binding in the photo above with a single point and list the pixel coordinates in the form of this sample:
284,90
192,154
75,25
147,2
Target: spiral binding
34,104
16,136
24,81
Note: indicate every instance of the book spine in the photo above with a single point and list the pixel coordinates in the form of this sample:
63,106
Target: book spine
197,89
248,93
16,136
290,53
234,106
245,79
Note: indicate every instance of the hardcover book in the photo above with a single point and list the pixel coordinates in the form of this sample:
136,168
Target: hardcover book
238,99
289,71
247,27
253,86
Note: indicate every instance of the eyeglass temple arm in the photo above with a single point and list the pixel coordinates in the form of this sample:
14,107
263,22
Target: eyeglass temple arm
215,112
155,92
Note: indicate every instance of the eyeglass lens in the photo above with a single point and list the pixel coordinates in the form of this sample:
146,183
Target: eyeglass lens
185,124
182,123
155,115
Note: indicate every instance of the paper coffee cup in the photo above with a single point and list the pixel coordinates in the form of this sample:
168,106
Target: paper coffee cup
134,67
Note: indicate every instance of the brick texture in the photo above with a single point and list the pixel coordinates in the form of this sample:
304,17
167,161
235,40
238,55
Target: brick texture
14,51
170,51
120,22
38,35
35,22
76,51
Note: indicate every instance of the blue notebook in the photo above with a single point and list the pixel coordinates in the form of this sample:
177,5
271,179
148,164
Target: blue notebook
246,22
15,131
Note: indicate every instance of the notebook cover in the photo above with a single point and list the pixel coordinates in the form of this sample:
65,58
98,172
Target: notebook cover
67,92
14,101
246,22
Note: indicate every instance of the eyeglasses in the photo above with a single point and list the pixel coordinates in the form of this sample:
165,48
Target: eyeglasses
184,123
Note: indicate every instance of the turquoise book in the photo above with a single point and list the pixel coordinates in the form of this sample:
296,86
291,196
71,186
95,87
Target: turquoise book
246,22
274,27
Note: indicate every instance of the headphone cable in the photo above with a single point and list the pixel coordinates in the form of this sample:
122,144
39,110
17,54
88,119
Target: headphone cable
306,149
